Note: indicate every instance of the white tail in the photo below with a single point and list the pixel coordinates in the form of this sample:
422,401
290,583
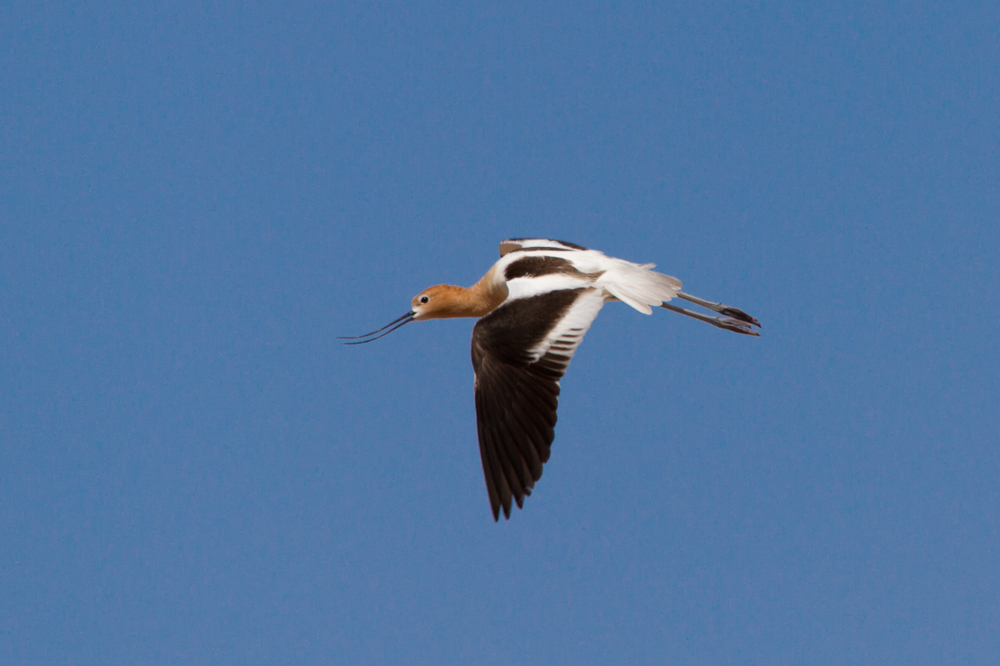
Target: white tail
639,286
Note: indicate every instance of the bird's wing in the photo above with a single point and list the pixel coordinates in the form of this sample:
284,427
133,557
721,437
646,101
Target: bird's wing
520,351
514,244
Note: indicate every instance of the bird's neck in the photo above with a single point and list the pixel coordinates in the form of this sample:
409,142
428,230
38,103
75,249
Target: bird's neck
485,296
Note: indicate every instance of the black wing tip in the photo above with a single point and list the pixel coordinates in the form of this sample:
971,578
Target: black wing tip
508,507
496,513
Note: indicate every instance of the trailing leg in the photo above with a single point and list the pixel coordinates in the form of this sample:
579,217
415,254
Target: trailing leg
727,323
725,310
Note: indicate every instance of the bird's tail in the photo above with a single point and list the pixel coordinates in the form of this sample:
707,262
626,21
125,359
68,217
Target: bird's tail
639,286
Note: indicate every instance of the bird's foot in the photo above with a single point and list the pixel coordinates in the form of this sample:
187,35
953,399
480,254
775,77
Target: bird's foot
738,314
725,310
734,325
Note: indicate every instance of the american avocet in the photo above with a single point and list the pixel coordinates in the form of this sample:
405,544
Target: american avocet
536,304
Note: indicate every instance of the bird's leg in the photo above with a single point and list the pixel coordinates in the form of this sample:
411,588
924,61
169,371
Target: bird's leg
727,323
725,310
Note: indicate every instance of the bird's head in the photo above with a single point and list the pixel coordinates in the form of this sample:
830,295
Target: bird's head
438,302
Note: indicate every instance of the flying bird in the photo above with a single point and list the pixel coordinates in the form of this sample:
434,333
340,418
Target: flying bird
534,307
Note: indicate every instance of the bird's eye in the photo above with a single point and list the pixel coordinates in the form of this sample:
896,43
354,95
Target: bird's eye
424,299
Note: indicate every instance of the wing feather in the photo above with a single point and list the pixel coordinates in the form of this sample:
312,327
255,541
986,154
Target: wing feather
520,351
515,244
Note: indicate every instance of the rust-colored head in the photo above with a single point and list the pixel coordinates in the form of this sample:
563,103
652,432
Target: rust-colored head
443,301
439,302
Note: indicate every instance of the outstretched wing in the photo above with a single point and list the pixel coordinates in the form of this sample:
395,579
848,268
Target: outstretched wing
515,244
520,351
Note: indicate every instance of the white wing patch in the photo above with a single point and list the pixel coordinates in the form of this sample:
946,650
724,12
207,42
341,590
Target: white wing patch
526,287
636,285
564,338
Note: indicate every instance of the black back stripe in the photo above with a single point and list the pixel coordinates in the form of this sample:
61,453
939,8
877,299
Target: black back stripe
572,245
554,240
540,249
532,266
539,266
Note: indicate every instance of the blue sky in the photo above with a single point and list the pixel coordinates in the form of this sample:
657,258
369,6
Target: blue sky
196,199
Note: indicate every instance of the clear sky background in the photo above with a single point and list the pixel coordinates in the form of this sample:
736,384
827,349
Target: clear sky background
196,198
